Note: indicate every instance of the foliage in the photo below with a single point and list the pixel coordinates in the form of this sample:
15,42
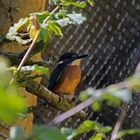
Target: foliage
12,104
39,133
123,133
85,127
47,23
112,95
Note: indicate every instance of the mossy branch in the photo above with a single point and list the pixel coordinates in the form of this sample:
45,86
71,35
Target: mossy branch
57,101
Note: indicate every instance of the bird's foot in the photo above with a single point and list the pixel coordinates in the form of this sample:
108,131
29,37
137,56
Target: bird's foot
67,97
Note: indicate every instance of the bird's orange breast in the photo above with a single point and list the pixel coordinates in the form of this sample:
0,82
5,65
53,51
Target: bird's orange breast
69,80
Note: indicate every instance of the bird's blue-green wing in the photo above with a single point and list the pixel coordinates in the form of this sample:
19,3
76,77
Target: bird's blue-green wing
55,76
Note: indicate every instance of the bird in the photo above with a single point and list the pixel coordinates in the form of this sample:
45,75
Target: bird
67,74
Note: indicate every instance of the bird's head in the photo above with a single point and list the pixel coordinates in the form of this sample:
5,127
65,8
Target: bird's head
71,57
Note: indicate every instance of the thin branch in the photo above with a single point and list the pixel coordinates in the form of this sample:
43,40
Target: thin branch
72,111
28,52
86,103
120,122
32,45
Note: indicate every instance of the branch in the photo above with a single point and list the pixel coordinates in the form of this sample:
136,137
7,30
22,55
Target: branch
33,43
130,84
119,123
72,111
15,59
41,91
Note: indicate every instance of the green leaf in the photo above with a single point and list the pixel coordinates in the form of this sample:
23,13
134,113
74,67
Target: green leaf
89,125
76,18
111,100
44,133
97,136
122,94
67,131
133,131
78,4
11,102
91,2
41,69
85,94
61,14
43,35
22,24
55,28
96,106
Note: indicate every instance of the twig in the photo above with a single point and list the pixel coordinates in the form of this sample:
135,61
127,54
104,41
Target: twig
86,103
72,111
28,52
32,45
120,122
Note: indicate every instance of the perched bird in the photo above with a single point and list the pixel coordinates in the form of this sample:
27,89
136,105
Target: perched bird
67,75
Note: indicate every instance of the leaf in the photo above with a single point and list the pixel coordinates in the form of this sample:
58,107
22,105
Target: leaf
78,4
84,95
89,125
66,131
54,27
96,106
41,69
43,35
76,18
44,133
11,102
110,99
34,27
122,94
133,131
91,2
22,24
97,136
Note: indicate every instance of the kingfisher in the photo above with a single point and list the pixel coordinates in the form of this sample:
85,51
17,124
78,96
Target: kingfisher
67,74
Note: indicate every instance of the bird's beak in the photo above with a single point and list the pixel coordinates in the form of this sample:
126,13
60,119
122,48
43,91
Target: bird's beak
77,60
82,56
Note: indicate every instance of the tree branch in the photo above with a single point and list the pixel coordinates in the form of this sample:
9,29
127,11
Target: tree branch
34,42
15,59
119,123
72,111
126,84
41,91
